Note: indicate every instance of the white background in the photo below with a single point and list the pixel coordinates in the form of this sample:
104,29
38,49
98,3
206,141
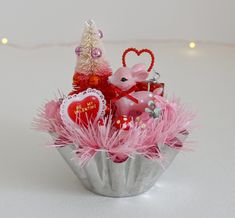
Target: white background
34,180
53,20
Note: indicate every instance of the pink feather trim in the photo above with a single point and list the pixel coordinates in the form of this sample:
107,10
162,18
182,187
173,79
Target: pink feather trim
143,138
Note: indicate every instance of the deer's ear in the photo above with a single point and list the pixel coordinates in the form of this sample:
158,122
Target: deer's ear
139,67
140,76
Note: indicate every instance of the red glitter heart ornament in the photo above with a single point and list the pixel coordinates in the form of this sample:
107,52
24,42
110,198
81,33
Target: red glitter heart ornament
86,109
139,52
82,108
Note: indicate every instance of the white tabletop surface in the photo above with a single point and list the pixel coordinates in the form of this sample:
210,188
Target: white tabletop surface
36,182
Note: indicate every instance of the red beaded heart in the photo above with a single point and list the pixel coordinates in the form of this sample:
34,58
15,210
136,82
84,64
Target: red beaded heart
138,52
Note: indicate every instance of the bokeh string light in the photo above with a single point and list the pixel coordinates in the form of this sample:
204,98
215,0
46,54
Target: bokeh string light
4,41
192,45
185,43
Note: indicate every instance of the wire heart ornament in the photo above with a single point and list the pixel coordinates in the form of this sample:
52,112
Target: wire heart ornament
138,53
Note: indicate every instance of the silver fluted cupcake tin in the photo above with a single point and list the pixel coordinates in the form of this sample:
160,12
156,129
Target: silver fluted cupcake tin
102,176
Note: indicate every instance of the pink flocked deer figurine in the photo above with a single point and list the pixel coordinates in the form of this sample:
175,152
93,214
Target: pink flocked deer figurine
125,78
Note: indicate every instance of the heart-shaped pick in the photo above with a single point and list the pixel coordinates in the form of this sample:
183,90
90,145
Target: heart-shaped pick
138,52
82,108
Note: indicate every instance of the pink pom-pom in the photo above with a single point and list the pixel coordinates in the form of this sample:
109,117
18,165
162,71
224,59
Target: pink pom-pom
49,119
52,110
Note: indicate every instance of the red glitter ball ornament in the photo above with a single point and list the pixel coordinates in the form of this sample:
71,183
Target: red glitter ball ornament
79,82
123,122
94,80
76,77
